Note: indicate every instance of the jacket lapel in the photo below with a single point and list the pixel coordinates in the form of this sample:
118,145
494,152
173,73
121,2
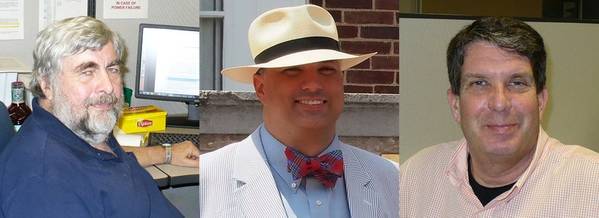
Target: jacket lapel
255,188
361,194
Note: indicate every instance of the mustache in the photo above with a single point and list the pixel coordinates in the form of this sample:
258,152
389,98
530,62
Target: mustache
102,99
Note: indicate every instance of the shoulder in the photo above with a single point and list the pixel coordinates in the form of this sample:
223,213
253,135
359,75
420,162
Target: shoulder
217,166
34,153
383,175
23,157
31,174
430,156
577,153
222,156
585,160
217,182
374,163
427,165
51,198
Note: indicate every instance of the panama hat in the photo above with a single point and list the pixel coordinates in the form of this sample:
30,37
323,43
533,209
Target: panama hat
292,36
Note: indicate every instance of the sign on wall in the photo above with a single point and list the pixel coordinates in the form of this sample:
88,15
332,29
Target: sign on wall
125,9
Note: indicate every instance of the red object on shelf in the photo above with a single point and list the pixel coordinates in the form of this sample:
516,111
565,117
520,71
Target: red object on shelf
18,110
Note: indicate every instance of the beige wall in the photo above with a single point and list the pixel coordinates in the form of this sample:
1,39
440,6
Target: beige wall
573,70
514,8
408,6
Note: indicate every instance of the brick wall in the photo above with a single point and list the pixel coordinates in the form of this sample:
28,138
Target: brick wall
366,26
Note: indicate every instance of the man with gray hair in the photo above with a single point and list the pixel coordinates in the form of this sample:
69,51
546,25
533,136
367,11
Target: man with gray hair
64,162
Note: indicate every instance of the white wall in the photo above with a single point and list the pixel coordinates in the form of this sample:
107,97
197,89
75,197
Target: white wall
573,70
180,13
22,48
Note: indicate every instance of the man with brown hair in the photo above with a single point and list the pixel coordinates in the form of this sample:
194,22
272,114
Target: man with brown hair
506,165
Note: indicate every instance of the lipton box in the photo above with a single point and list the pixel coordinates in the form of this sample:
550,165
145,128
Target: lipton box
142,119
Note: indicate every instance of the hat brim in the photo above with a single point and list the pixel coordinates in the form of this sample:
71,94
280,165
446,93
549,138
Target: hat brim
245,74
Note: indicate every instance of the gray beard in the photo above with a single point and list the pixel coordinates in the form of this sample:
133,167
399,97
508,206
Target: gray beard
94,128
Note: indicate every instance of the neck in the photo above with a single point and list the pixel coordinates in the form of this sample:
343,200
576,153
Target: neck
499,171
45,104
310,142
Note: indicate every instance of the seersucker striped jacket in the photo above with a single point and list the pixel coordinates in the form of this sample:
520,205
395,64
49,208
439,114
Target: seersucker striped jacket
235,181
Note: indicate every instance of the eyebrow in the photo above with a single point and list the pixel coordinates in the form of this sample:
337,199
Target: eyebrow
481,75
523,75
292,68
91,64
114,63
86,65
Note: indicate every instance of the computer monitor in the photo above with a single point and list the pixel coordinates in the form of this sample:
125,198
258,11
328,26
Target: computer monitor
168,66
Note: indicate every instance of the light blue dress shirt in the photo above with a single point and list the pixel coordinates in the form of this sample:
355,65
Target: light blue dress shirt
307,198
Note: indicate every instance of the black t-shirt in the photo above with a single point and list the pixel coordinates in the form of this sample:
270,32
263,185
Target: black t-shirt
485,194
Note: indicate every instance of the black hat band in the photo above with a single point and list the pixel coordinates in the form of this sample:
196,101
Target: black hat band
296,45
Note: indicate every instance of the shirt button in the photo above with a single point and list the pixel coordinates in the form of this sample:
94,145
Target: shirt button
318,202
293,185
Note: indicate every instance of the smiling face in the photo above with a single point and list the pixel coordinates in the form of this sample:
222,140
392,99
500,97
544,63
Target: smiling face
307,96
87,95
498,107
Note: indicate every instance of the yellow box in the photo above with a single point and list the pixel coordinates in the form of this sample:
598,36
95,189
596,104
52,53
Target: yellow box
142,119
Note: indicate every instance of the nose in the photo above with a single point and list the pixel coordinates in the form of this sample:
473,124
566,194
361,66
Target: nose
500,100
104,82
311,81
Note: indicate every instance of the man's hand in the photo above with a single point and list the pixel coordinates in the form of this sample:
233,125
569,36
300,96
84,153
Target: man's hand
185,154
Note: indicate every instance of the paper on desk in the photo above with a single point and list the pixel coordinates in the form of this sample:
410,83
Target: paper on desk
133,139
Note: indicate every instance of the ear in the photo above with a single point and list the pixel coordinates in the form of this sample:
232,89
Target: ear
258,81
454,105
543,98
46,88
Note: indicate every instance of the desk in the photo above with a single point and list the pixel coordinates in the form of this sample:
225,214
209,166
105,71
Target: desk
180,176
160,177
179,185
167,175
181,130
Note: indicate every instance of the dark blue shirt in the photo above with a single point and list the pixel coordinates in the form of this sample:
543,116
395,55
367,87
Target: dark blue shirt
48,171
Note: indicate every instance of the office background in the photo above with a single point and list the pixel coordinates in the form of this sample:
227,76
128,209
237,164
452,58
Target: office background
572,115
181,13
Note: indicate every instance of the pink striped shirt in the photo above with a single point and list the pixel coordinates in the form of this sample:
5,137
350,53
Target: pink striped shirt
561,181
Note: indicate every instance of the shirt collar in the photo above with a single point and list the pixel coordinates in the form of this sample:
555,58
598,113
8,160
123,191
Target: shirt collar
457,169
55,127
275,154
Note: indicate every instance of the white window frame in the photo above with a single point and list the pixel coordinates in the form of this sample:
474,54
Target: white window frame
236,16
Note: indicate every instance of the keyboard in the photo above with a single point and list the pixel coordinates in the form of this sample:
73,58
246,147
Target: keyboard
159,138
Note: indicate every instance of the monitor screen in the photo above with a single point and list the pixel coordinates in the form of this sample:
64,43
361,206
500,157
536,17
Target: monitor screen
168,63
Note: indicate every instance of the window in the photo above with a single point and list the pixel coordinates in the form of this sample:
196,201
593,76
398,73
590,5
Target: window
223,38
211,41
